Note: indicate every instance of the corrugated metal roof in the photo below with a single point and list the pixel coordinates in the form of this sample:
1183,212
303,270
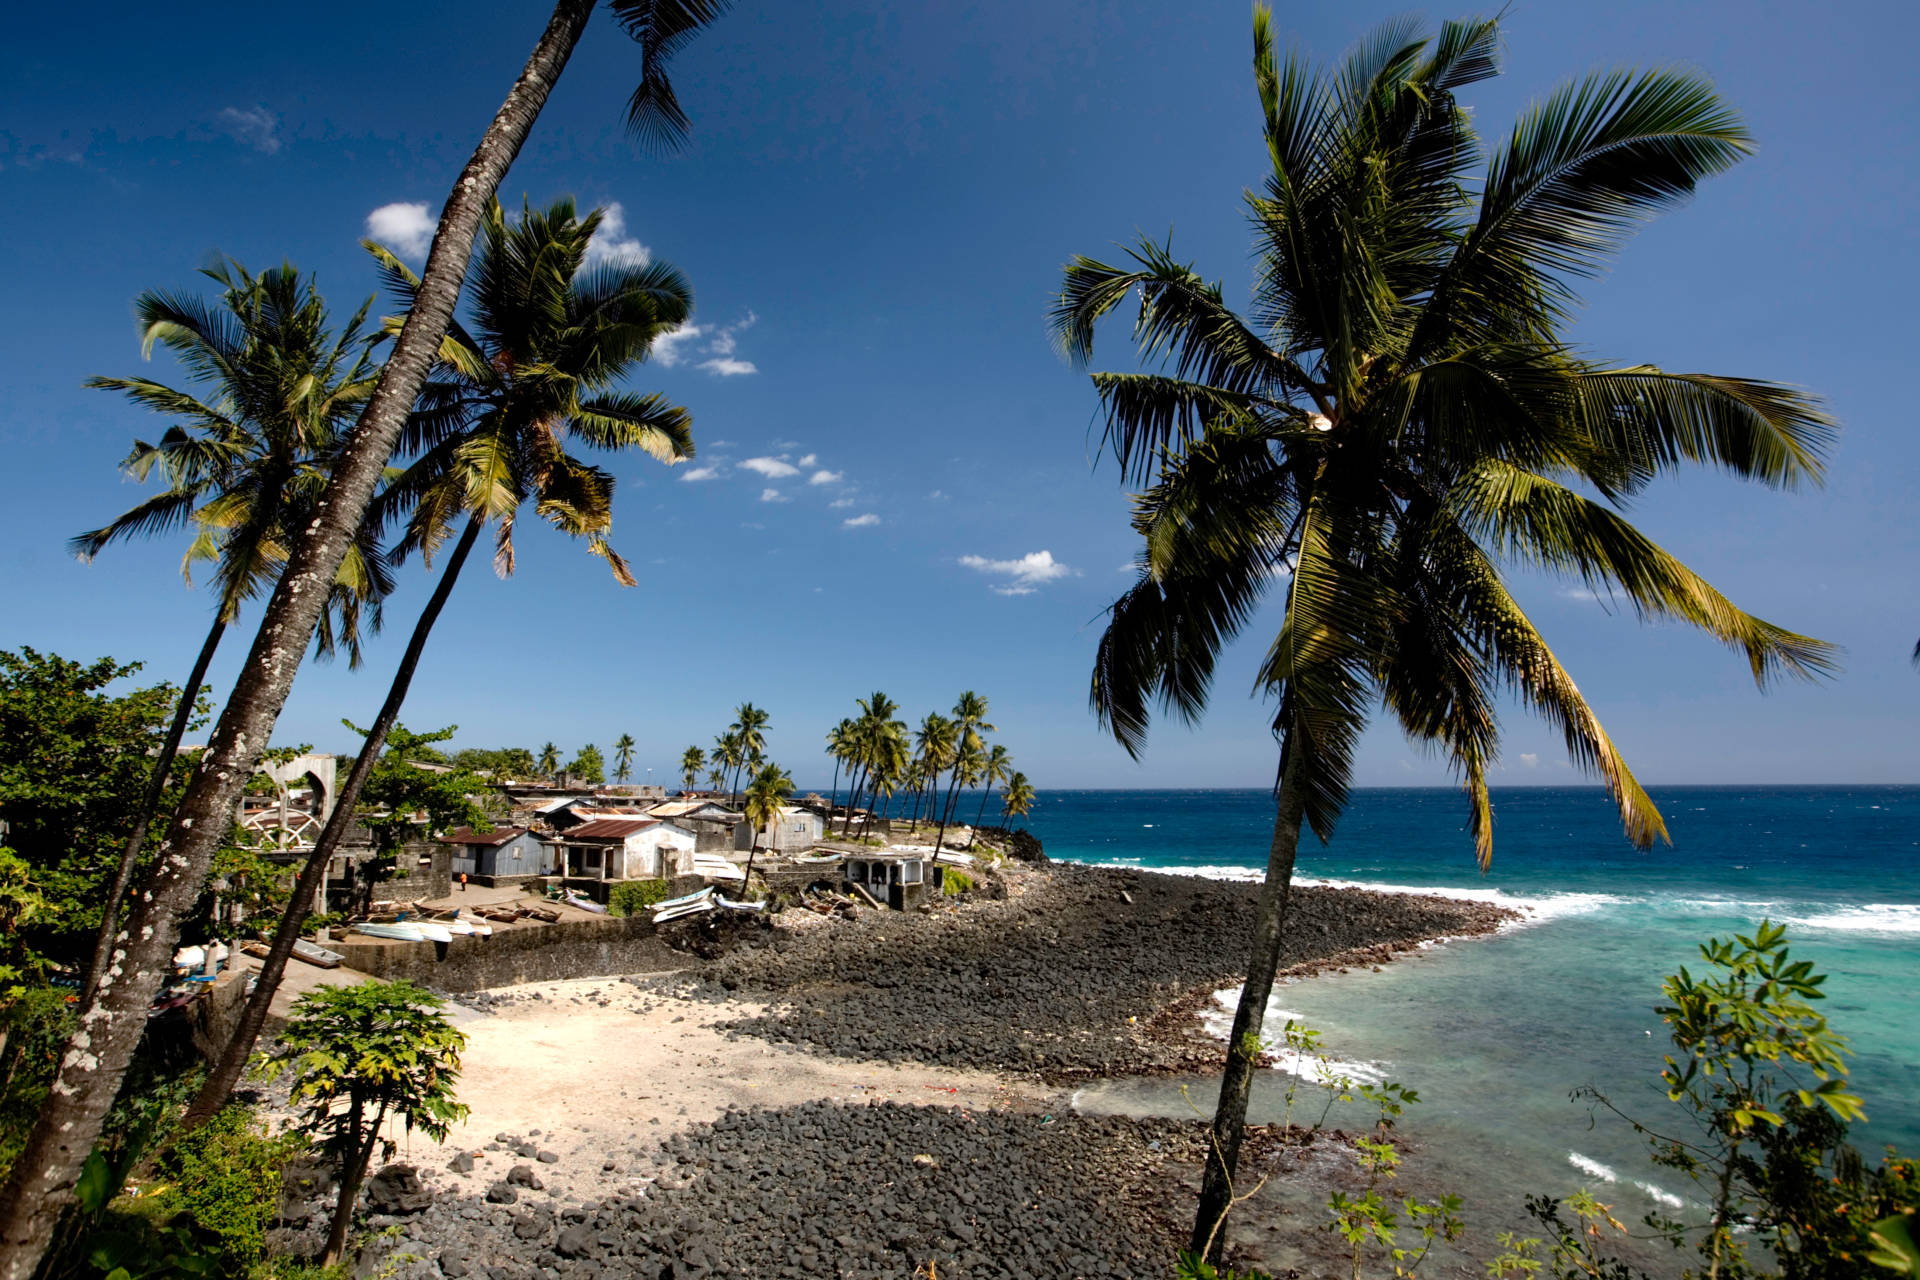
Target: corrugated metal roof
467,835
610,828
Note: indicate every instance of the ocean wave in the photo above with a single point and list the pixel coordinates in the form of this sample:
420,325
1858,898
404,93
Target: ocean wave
1594,1169
1534,908
1887,918
1315,1068
1591,1167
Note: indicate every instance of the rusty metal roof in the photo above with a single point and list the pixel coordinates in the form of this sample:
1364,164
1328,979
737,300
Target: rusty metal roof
467,835
610,828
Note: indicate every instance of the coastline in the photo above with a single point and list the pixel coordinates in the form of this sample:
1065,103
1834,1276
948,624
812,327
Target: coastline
733,1117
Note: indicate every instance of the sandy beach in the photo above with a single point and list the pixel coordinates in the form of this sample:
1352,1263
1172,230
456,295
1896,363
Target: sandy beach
887,1095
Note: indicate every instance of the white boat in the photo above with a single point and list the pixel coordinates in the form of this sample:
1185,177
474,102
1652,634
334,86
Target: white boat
392,932
715,867
466,928
665,914
696,896
585,904
731,905
432,931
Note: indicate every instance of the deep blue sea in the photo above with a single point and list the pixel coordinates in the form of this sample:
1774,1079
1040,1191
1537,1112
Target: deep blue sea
1494,1033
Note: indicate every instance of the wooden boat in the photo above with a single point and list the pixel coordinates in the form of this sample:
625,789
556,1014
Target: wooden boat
315,954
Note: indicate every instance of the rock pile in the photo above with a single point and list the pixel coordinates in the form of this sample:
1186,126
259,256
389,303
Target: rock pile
859,1192
1064,980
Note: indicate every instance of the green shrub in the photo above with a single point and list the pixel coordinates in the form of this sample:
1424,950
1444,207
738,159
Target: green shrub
35,1026
225,1177
955,882
630,897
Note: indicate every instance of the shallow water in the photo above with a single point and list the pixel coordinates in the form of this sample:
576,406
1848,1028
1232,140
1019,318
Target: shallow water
1495,1033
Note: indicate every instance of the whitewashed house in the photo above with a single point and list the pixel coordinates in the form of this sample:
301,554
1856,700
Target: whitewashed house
625,848
796,829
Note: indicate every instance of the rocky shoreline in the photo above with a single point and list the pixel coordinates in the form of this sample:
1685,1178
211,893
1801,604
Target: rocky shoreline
797,1115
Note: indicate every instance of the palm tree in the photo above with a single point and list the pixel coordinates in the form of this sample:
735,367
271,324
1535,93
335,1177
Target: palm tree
534,371
840,741
749,737
994,768
970,721
725,755
766,794
623,757
549,762
935,742
692,761
872,727
43,1175
1402,416
1017,800
244,465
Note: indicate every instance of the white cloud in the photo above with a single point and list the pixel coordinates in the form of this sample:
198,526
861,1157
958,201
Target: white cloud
724,339
841,502
1023,576
612,246
773,495
824,477
1585,595
771,468
937,496
808,461
861,522
701,473
407,229
1531,759
727,367
255,126
666,348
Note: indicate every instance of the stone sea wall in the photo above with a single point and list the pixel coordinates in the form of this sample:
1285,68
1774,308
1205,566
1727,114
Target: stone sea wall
571,949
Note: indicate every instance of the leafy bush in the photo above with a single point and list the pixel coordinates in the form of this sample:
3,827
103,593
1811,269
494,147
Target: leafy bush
35,1026
225,1178
955,882
630,897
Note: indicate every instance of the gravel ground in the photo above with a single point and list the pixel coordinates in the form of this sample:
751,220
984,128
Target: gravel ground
1088,972
850,1191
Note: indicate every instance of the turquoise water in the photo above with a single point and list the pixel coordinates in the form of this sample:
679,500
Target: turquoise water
1495,1033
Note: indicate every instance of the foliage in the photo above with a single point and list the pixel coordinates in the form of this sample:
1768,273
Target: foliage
1193,1267
623,756
692,761
498,762
74,765
35,1023
225,1177
589,765
549,762
359,1057
248,887
1017,801
250,455
954,882
631,897
765,795
399,794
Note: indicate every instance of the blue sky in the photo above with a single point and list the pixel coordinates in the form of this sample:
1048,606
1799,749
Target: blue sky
873,212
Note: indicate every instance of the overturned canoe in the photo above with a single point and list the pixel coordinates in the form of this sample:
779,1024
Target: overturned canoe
685,909
585,904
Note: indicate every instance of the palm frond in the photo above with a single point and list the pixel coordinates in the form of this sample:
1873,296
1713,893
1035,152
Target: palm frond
661,28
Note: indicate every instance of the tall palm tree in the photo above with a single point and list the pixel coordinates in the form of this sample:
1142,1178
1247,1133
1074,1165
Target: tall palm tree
725,756
1017,800
748,732
840,741
623,757
872,727
549,761
935,742
43,1176
994,768
970,721
1401,417
244,465
766,794
692,761
537,369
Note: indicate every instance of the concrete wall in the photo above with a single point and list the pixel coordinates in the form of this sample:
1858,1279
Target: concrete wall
571,949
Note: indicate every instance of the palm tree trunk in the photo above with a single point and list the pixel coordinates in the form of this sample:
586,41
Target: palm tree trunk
853,798
946,810
233,1059
113,1017
143,817
1243,1048
981,816
350,1180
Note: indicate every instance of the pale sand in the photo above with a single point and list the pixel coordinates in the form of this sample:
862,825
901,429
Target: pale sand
604,1084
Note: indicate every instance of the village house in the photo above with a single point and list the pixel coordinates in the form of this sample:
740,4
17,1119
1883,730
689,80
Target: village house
793,831
504,853
716,828
624,848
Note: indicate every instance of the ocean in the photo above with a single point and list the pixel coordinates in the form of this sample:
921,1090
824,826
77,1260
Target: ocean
1495,1033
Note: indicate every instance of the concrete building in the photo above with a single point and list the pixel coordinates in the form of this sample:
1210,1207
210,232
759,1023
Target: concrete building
625,848
716,828
795,830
